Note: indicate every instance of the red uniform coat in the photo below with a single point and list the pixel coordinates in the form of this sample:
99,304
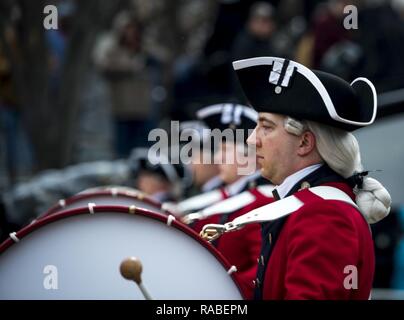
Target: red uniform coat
315,245
242,247
198,225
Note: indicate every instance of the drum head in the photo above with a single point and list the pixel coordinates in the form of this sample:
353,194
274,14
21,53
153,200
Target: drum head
109,195
76,255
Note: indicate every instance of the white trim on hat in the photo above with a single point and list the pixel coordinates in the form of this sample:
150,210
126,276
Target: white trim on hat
219,108
372,87
315,81
227,113
238,110
193,124
209,110
251,114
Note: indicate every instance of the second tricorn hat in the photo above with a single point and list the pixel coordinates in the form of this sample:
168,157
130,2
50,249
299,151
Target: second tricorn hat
282,86
224,116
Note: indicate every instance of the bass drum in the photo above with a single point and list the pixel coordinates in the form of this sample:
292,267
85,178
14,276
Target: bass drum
76,254
108,195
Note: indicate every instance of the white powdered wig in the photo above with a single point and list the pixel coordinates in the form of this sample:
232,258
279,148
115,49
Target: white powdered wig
340,150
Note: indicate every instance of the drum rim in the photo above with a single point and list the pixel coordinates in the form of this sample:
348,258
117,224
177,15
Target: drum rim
37,224
80,196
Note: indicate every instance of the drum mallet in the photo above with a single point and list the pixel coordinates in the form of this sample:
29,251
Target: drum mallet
131,268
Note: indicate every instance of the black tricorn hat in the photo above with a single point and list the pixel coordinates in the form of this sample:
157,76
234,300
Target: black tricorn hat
282,86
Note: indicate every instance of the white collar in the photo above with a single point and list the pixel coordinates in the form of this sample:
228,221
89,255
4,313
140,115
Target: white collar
287,184
235,187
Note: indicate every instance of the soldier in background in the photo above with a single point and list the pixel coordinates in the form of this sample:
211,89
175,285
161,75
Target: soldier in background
241,177
205,173
159,177
221,117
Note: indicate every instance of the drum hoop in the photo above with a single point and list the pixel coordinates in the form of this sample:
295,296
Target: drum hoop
123,209
57,207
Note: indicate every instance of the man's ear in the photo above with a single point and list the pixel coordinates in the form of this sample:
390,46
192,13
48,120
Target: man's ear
307,143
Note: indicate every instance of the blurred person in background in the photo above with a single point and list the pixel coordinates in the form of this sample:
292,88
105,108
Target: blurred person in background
208,77
230,156
159,177
256,39
132,75
205,173
397,280
373,49
16,155
325,28
380,36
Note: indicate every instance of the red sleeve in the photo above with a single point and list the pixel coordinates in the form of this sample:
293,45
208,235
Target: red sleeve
242,247
250,248
322,241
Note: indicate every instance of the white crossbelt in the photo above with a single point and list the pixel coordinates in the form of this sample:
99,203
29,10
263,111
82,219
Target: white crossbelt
274,211
229,205
194,203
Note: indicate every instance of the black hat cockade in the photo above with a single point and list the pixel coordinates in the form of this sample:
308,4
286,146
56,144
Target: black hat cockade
282,86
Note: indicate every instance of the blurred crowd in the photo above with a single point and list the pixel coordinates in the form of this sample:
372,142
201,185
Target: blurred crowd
151,64
140,80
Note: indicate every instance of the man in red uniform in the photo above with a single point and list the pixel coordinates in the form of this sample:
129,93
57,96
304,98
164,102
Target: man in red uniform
323,249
